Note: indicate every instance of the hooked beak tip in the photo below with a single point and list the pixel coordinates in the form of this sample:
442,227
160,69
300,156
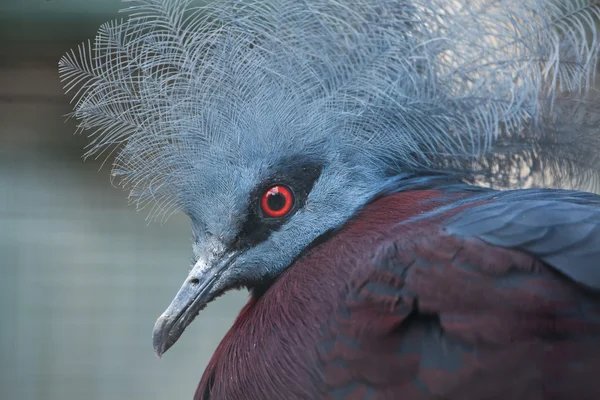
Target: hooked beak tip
195,293
172,323
160,335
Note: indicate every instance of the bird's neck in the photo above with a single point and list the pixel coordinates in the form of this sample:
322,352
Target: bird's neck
300,300
409,189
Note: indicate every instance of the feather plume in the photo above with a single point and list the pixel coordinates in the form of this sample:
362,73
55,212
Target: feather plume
497,91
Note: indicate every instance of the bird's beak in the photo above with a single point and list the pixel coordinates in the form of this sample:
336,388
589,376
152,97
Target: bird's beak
195,293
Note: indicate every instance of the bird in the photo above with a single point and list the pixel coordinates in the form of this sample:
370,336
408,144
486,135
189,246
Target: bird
406,188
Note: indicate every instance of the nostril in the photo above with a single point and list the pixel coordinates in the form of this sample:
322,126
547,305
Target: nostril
194,281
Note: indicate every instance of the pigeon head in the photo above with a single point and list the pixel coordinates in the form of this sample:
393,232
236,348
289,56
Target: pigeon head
270,123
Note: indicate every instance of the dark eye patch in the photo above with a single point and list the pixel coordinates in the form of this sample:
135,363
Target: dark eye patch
299,176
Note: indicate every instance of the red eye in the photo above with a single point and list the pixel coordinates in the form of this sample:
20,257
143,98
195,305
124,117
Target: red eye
277,201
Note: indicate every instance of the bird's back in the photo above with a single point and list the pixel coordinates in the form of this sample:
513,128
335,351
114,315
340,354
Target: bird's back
394,306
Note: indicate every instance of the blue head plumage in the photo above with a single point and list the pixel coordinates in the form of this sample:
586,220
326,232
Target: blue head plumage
209,107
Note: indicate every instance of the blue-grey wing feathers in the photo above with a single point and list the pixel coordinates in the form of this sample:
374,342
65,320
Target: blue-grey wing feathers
561,228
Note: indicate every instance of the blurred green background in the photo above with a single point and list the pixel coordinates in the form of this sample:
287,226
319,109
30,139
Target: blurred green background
83,276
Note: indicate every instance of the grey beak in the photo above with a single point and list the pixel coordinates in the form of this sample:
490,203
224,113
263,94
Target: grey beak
196,292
